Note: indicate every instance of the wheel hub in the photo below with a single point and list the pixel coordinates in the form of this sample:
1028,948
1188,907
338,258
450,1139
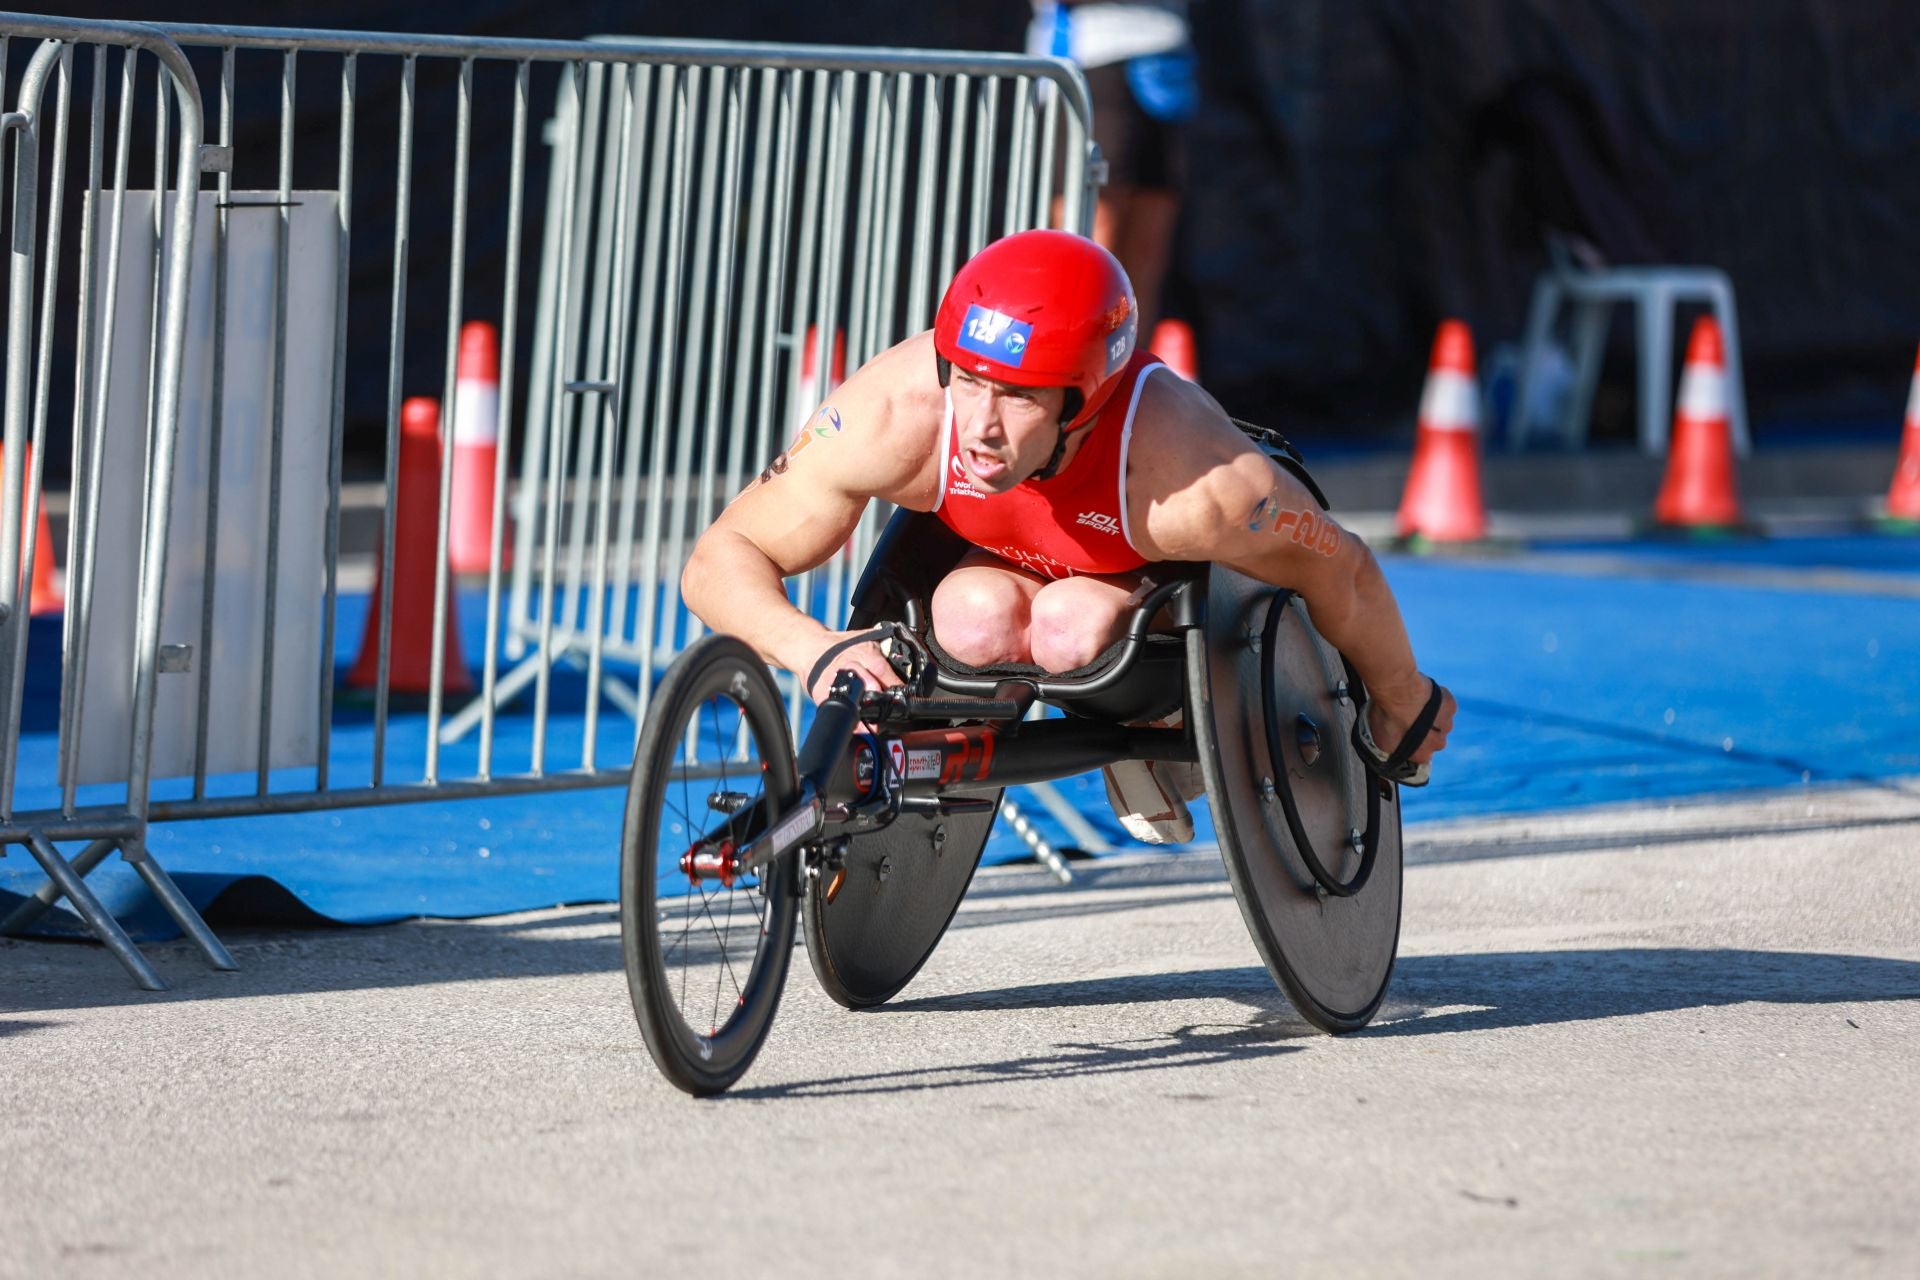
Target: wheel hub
711,862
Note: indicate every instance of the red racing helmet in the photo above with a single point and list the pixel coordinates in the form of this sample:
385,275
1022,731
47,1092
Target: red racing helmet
1041,309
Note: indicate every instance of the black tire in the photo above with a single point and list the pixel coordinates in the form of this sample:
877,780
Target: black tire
705,969
1332,955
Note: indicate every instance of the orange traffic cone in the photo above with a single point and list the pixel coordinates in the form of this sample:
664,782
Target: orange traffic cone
1698,491
43,597
416,528
1903,495
476,451
1442,498
810,393
1173,343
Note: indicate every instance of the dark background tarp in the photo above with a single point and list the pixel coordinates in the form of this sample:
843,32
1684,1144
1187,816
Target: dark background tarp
1342,212
1362,169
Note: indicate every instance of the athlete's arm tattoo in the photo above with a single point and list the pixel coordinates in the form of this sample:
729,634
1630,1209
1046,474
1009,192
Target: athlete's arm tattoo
825,425
1312,530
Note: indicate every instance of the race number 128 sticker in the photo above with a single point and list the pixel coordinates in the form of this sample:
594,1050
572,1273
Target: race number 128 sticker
995,335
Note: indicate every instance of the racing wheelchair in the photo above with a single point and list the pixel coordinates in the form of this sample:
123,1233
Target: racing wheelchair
871,832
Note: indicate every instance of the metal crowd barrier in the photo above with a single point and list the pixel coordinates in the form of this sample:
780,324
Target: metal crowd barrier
708,207
872,178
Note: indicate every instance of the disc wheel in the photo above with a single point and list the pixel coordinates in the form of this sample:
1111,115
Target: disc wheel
1270,684
707,946
871,927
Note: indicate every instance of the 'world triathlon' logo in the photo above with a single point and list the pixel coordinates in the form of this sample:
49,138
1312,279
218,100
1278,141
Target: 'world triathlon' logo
959,482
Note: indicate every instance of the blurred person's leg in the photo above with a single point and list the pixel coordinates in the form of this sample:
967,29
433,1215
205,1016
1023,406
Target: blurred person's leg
1140,205
1141,231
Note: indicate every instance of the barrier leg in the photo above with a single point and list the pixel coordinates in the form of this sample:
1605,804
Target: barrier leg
162,887
28,913
99,920
467,719
615,690
1048,855
1085,835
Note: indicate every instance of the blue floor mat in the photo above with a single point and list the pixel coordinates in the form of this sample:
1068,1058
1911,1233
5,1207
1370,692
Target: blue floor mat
1853,553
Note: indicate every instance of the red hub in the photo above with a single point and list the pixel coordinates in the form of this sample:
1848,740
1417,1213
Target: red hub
711,862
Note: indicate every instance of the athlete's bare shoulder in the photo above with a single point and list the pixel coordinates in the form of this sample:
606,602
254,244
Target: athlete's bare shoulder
1192,475
876,435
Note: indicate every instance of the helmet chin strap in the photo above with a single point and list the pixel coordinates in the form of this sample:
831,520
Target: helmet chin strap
1068,412
1053,460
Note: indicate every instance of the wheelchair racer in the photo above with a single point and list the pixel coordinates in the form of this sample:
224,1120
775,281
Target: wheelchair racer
1029,423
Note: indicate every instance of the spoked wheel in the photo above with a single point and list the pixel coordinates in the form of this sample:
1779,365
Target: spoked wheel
1311,839
707,945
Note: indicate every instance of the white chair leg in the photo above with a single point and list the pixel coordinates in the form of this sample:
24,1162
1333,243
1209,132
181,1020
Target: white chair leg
1654,322
1540,315
1589,351
1720,294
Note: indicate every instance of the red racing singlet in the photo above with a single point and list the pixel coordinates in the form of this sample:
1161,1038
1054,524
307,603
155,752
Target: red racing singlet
1075,522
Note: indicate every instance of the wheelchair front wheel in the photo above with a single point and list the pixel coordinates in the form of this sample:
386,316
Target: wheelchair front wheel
706,946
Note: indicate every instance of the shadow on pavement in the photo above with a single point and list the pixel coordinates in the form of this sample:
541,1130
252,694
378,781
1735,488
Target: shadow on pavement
1508,989
1196,1045
1537,988
1249,985
8,1028
1505,989
70,974
1481,991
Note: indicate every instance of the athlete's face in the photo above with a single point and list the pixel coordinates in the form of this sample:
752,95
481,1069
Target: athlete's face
1006,432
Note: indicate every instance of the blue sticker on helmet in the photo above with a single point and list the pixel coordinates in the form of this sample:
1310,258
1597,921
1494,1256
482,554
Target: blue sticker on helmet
989,333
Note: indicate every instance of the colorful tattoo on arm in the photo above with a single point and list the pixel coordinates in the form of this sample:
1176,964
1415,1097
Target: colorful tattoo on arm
1312,530
824,425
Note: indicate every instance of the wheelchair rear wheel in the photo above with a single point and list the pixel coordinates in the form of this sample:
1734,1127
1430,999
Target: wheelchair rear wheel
1294,807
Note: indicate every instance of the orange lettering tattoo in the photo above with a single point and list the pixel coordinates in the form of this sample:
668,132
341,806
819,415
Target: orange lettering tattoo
1306,528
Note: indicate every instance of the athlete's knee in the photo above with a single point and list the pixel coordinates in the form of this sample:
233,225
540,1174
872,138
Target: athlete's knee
1068,631
980,621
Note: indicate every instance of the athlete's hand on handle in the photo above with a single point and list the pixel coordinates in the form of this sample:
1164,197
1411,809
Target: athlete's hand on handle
865,659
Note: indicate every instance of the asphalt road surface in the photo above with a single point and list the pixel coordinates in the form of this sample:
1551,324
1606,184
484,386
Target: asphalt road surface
1657,1041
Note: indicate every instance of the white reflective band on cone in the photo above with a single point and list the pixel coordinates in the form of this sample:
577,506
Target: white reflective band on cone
1913,401
1703,393
476,413
1450,403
